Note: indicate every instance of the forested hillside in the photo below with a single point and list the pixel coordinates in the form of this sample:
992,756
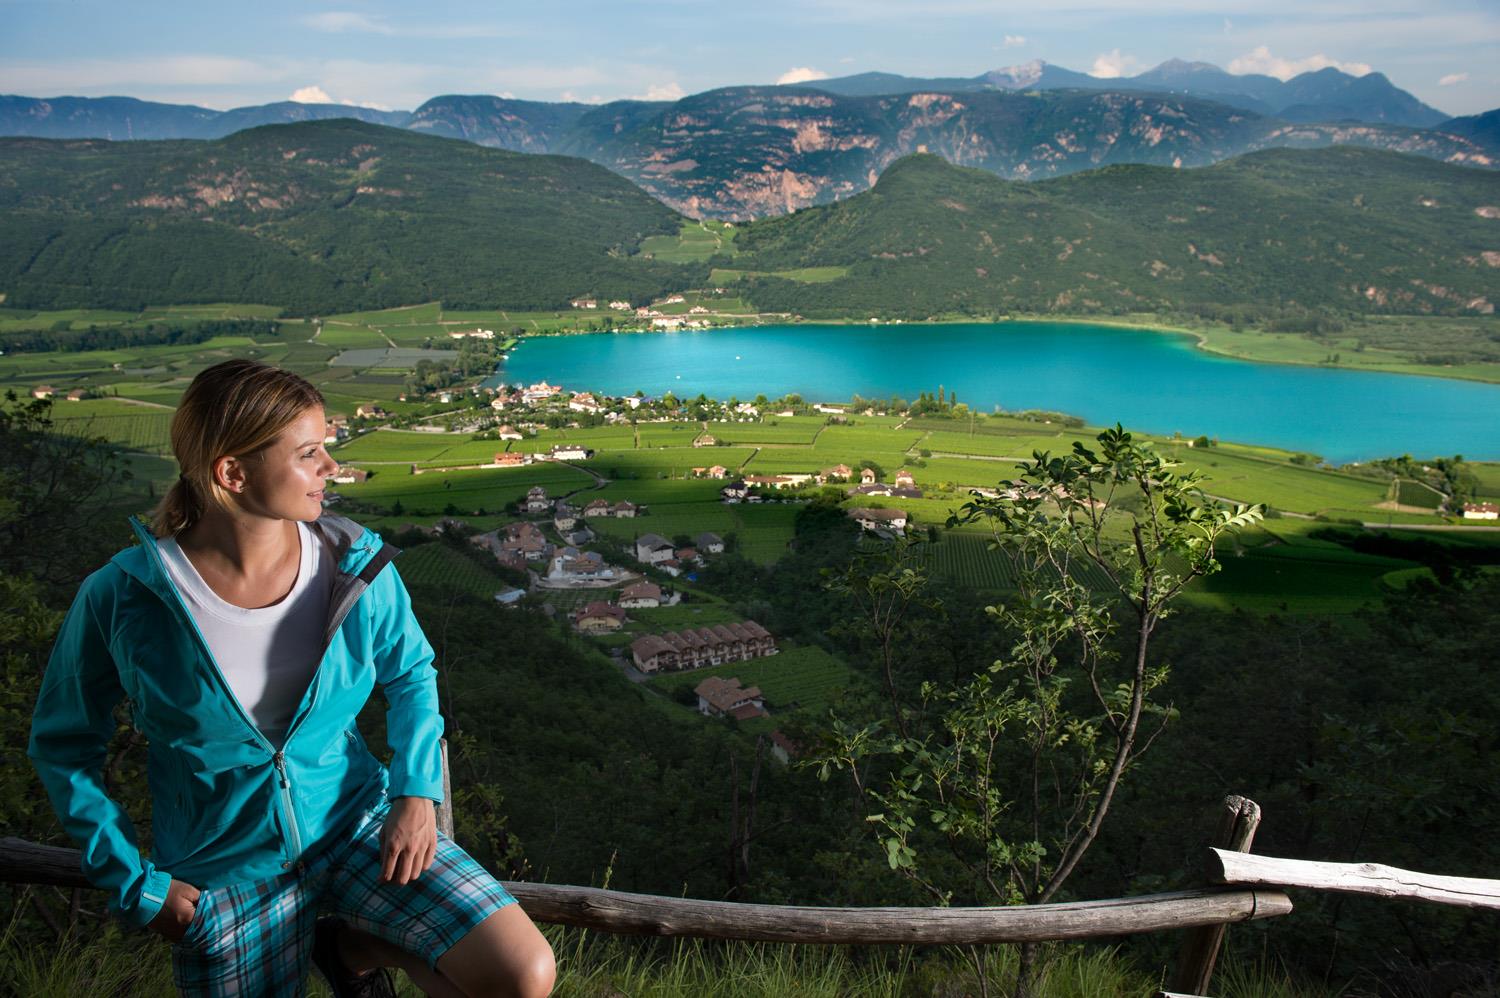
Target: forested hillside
339,215
318,217
1349,229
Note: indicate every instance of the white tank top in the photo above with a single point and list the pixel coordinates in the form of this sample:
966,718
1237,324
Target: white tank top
268,655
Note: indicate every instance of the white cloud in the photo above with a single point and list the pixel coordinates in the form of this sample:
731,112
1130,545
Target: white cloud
1262,61
569,97
347,21
801,74
1014,41
846,60
311,95
1452,78
1113,64
661,91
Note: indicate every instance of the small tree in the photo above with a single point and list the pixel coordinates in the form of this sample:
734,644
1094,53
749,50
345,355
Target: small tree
994,789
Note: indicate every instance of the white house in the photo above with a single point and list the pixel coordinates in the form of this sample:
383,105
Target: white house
880,520
653,549
643,594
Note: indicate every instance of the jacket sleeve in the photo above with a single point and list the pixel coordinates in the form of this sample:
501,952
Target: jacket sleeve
70,733
403,667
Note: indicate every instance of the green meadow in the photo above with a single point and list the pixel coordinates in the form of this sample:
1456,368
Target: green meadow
796,679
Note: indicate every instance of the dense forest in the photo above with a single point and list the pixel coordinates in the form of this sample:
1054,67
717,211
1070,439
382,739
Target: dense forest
318,218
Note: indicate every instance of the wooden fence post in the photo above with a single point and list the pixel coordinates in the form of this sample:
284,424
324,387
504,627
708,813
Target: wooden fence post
445,809
1238,820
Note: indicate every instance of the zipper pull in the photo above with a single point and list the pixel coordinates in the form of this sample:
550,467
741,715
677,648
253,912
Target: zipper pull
279,760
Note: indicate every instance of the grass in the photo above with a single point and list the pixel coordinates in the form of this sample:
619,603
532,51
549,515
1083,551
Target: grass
651,435
439,565
804,678
768,432
489,489
133,427
802,275
695,242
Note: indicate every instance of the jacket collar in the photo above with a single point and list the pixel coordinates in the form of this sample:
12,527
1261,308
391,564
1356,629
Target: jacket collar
354,546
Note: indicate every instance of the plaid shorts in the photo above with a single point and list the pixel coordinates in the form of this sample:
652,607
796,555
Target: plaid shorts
256,939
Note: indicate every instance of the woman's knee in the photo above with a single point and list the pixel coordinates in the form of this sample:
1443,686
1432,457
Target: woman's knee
503,955
537,974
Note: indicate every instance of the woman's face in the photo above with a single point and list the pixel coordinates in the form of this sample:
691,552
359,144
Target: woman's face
285,481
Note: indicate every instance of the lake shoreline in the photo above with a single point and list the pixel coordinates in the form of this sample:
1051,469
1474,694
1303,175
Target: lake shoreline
1103,373
1201,335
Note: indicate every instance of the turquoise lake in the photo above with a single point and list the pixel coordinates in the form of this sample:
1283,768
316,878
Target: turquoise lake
1145,380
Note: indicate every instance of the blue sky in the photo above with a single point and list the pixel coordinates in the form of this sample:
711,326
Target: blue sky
396,55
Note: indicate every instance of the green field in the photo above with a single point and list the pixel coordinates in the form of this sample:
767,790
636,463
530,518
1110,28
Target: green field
697,241
650,435
804,678
428,495
802,275
437,565
134,427
770,432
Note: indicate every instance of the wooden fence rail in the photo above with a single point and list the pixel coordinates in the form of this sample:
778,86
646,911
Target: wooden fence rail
1353,878
1248,887
649,915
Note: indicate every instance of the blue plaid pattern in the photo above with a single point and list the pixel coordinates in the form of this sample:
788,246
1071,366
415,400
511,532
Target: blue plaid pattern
256,939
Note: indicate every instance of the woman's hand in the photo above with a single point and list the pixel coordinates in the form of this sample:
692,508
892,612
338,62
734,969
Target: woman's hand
408,841
176,912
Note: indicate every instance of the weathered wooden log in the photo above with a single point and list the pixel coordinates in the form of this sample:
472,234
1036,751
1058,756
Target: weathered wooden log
649,915
23,862
1353,878
1239,817
445,809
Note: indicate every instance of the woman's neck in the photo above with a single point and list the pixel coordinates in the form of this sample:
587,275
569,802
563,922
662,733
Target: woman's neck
247,560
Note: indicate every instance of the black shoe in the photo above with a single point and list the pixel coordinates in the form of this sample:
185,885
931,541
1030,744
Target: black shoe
345,982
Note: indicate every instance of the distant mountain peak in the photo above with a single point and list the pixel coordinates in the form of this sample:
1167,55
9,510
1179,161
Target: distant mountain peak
1022,75
1184,66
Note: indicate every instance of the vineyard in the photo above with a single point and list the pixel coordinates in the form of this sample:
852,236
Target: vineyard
436,565
805,678
148,431
1408,492
969,559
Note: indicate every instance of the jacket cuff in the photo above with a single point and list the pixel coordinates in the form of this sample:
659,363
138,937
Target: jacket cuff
412,786
152,897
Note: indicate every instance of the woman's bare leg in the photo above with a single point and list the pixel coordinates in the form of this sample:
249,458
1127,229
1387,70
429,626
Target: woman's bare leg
504,955
362,951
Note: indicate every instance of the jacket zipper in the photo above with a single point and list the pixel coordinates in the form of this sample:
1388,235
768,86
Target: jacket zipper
278,758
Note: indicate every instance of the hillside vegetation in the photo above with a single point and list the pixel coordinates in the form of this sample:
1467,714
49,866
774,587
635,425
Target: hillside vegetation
1349,229
318,217
334,216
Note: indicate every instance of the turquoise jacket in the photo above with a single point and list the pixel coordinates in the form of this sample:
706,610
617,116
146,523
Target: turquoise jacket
226,806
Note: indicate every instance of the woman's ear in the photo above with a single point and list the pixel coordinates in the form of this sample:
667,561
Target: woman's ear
229,474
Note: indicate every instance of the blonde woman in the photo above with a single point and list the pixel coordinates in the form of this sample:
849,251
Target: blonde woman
246,631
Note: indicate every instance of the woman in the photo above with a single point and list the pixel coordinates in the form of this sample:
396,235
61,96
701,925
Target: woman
246,631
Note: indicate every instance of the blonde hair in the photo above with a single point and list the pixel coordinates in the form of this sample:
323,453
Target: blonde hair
235,408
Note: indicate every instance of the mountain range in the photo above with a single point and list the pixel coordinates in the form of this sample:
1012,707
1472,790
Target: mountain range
327,216
1322,95
747,152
